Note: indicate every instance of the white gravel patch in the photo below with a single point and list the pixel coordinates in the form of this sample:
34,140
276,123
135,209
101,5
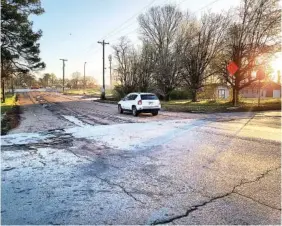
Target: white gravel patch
23,138
131,136
74,120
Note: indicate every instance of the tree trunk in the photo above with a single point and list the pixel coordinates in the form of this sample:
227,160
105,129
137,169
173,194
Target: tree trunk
166,97
194,95
235,96
12,86
3,90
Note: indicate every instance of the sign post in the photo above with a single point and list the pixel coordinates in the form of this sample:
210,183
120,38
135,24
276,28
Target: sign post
260,76
232,68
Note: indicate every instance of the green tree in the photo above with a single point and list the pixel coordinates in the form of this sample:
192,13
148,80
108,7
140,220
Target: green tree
19,43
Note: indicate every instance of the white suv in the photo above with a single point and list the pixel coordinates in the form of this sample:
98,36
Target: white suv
140,102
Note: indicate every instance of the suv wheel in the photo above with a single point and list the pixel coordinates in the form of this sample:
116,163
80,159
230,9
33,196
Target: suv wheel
120,110
134,111
155,113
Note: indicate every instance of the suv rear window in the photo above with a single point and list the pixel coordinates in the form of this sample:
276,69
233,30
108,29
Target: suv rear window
149,97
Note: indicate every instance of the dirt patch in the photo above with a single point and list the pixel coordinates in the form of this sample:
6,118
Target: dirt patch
11,119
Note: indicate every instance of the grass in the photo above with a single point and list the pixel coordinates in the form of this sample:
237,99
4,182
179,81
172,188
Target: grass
10,114
10,102
90,92
209,106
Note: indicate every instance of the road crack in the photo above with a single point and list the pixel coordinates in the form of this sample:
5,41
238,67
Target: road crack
121,187
264,204
196,207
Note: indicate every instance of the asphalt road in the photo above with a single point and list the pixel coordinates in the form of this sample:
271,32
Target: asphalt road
75,161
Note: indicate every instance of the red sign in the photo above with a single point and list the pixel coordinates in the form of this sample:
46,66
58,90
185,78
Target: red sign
232,68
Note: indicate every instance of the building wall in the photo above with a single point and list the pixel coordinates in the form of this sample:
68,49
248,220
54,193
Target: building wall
252,93
222,92
276,93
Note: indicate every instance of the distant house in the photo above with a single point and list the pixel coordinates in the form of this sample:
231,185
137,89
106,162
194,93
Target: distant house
215,91
268,89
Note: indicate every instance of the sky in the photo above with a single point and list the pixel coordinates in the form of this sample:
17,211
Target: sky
72,28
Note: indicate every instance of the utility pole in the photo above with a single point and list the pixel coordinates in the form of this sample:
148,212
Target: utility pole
63,73
84,78
103,95
110,59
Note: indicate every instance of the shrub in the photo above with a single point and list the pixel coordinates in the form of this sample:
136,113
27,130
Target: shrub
121,91
180,95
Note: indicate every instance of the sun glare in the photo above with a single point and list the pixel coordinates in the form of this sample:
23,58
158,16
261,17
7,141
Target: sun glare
276,65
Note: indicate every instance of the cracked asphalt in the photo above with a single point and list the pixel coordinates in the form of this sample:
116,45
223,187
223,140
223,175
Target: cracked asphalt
75,161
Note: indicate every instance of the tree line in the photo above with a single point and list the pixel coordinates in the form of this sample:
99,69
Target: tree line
179,49
76,81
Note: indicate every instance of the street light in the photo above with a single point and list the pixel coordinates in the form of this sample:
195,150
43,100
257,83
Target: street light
84,78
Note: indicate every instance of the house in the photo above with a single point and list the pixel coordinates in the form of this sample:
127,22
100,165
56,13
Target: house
267,89
215,91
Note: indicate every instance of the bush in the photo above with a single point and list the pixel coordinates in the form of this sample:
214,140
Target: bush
180,95
208,92
121,91
118,92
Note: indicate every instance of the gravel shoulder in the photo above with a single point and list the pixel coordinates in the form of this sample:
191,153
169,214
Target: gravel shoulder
35,117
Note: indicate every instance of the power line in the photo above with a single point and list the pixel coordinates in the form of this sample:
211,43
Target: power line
209,4
116,29
129,24
129,19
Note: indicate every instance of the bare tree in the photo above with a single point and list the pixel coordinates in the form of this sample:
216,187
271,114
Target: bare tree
146,65
159,27
126,58
201,42
250,41
76,78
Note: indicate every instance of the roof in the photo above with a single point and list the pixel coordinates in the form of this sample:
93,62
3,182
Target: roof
264,84
143,93
216,85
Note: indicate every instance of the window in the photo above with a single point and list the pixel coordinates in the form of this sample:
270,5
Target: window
127,97
149,97
221,93
132,97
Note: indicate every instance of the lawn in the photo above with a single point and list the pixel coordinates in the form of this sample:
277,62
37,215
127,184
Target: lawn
209,106
9,103
10,114
91,92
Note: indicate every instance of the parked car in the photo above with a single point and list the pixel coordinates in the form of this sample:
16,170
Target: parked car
140,103
34,87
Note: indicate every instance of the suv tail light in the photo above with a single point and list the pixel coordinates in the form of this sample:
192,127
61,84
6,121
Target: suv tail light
139,102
